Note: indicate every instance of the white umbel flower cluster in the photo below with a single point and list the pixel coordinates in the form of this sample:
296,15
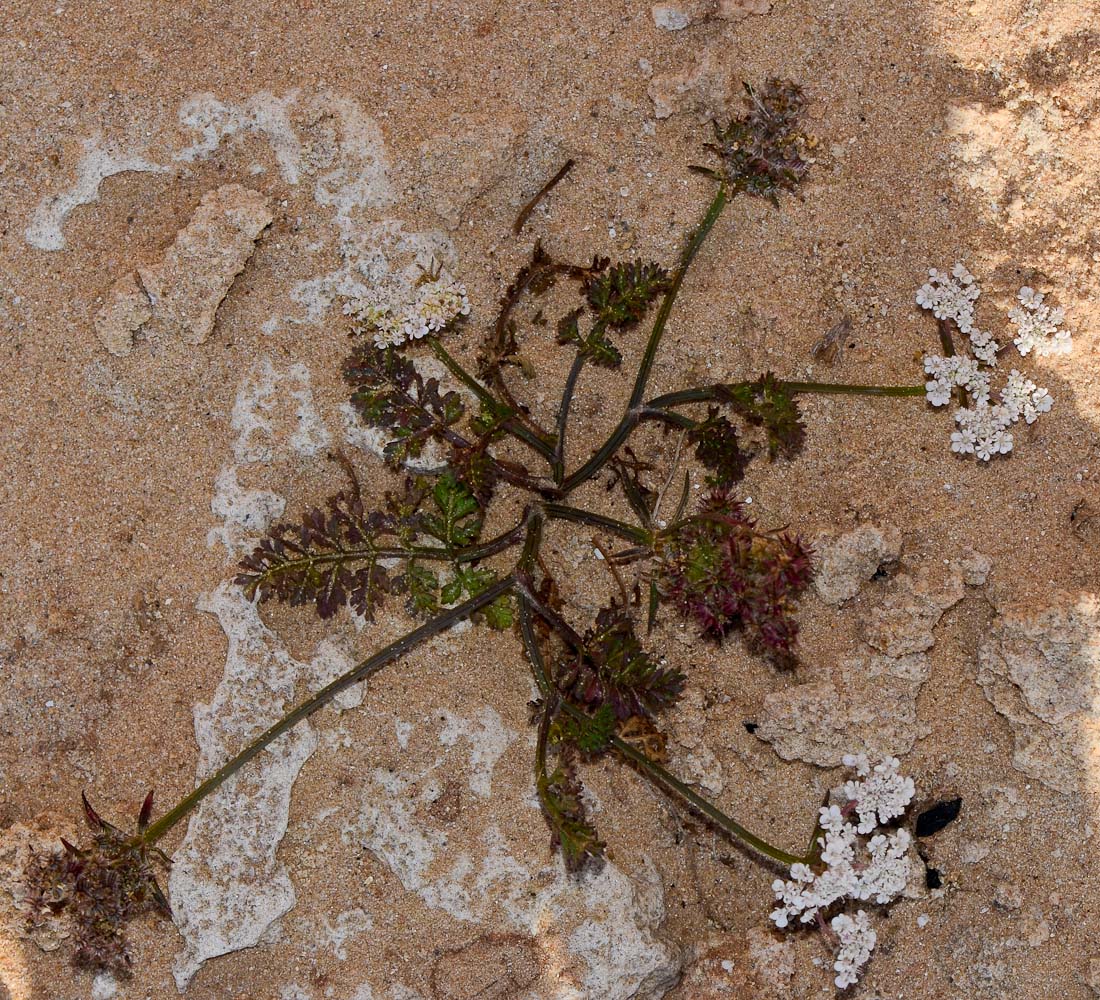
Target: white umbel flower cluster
947,373
952,297
857,940
1038,325
439,302
1023,398
859,863
983,428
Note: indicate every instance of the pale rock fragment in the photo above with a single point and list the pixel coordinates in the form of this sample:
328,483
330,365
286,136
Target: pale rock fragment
1007,896
738,10
126,309
973,852
1036,929
180,294
1040,668
844,562
104,986
806,722
904,622
975,568
869,704
697,762
671,16
872,710
1005,806
703,86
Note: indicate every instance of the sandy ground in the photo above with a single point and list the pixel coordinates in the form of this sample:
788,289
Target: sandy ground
945,132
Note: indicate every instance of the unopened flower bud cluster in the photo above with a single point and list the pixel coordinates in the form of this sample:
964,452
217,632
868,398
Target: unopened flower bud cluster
438,303
861,862
983,427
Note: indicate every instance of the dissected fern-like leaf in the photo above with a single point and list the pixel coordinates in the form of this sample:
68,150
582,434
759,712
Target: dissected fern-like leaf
715,440
329,559
612,669
389,393
560,795
719,570
621,295
767,403
500,615
421,587
473,467
593,346
456,520
591,734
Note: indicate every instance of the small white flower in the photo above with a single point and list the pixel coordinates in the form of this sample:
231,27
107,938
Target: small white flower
857,940
983,431
950,296
802,873
830,818
859,763
439,302
880,797
1038,325
1023,398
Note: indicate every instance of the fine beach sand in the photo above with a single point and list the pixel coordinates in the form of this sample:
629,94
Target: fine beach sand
373,130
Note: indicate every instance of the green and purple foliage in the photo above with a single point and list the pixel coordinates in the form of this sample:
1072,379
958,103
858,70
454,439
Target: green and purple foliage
600,691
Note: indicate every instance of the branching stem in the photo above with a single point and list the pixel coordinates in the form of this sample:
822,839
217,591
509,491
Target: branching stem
631,417
505,413
562,512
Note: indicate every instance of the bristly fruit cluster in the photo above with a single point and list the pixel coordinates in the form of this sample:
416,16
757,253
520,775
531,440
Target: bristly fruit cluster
762,150
723,573
101,888
600,692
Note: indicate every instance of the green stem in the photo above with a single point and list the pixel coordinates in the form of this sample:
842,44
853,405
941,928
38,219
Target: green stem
563,415
695,241
530,643
842,389
659,776
711,393
361,672
509,424
561,512
631,417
